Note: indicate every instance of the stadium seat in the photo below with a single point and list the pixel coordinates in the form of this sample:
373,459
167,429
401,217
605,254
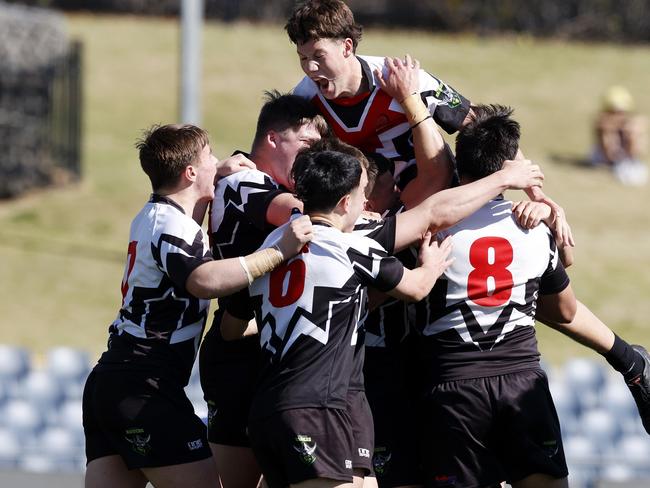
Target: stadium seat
22,418
14,364
10,449
616,397
600,427
41,390
617,472
564,398
634,450
69,416
580,450
70,367
584,377
60,444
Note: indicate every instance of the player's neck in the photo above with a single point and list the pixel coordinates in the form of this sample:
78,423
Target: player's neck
328,219
357,82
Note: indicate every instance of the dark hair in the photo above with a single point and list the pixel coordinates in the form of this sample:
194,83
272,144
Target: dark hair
285,111
165,152
333,143
487,141
323,19
322,178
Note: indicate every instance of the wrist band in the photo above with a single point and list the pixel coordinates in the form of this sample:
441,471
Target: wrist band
261,262
418,123
415,109
244,266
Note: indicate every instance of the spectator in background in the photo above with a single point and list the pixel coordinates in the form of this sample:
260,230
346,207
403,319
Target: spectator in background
621,137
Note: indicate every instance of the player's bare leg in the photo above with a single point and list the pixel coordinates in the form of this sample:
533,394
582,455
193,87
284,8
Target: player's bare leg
358,479
321,483
110,471
541,481
236,466
197,474
370,482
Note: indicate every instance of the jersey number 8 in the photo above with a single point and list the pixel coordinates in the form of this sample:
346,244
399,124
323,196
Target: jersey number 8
490,257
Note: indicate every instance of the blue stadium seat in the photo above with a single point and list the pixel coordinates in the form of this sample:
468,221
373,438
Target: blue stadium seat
60,444
616,398
10,449
580,450
564,398
617,473
69,416
42,390
22,418
70,367
584,377
600,426
634,450
14,364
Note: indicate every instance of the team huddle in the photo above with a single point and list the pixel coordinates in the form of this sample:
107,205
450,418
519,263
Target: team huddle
377,294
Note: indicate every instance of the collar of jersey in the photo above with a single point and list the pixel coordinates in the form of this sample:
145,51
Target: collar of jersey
155,198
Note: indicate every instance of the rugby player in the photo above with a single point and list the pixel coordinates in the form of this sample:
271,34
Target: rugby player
138,423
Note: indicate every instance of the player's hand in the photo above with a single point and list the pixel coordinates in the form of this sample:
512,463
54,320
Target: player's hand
521,174
402,77
529,214
233,164
298,233
560,225
434,255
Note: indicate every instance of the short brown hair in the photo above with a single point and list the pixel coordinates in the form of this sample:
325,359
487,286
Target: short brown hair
166,150
323,19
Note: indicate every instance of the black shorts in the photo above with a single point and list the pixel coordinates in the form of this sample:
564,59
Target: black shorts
362,431
302,444
229,371
486,430
396,456
148,421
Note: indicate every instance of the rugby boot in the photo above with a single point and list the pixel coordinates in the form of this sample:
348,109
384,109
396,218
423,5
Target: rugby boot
640,387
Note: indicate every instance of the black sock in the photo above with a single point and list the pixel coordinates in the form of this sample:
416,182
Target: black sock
624,359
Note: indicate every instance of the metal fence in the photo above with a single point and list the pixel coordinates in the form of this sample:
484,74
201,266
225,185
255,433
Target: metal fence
40,124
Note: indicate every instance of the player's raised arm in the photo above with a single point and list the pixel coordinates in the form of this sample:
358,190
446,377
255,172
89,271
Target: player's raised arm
433,159
224,277
450,206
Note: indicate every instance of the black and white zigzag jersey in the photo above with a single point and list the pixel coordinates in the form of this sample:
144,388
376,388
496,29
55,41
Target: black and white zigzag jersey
375,122
307,312
238,215
160,324
478,320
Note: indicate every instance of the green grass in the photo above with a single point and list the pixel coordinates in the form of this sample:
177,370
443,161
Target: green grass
62,250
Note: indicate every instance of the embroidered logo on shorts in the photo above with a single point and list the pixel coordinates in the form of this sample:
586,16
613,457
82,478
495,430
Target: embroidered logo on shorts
194,445
307,452
348,464
550,447
139,441
381,460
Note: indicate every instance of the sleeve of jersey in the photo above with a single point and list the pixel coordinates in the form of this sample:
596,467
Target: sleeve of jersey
258,200
448,107
380,231
178,258
376,269
555,279
239,305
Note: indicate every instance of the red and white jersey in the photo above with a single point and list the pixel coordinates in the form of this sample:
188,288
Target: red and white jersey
478,319
160,323
375,122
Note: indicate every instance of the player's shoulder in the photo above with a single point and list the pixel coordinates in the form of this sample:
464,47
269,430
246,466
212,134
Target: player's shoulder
373,61
306,88
251,176
167,219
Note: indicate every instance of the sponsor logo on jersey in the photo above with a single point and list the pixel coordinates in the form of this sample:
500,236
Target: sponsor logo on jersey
444,480
307,452
381,460
139,441
194,445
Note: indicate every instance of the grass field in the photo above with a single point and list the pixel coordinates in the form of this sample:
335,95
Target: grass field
62,250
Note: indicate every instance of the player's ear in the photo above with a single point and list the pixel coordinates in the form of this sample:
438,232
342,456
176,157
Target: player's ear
348,47
190,172
344,203
272,138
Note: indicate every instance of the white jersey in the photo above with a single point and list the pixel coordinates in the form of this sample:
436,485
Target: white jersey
160,323
307,313
478,319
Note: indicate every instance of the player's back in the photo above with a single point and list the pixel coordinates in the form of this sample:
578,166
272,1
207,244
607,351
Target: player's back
480,315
